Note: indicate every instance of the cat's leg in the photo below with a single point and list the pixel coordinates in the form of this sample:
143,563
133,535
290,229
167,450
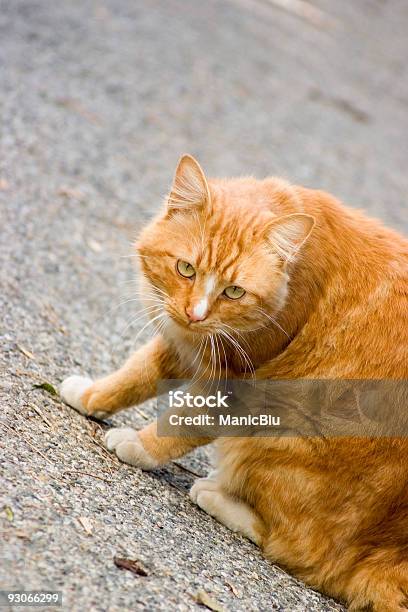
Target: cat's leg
135,382
238,516
159,443
132,384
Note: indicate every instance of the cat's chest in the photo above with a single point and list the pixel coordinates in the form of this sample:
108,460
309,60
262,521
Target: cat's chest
214,360
233,361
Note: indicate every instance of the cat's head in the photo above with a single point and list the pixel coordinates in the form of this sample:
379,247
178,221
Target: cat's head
218,255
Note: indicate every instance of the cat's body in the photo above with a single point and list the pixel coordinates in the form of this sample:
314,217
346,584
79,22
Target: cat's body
325,297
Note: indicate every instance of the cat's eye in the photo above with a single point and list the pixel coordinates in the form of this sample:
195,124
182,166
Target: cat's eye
185,269
234,292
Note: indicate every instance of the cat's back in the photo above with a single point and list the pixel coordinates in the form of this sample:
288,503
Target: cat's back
357,326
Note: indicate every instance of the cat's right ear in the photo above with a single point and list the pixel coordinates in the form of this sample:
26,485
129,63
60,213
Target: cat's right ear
190,188
286,235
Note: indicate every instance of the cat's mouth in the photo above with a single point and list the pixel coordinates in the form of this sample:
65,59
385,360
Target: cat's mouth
195,327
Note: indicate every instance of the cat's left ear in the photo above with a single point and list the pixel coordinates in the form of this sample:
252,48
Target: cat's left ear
190,188
286,235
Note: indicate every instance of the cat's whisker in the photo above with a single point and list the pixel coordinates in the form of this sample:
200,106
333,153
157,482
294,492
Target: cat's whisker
225,356
198,352
205,347
232,341
145,313
113,308
274,321
214,370
190,367
143,295
204,344
128,280
139,295
248,367
237,331
150,322
214,359
132,323
221,338
146,298
150,288
133,281
160,326
155,288
217,340
209,362
146,309
241,351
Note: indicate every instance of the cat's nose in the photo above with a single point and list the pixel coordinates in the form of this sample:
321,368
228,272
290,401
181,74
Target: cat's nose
197,312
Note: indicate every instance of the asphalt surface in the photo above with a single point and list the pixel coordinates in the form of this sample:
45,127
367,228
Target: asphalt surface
98,99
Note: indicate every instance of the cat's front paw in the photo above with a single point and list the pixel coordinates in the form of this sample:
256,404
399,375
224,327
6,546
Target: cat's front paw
206,493
129,448
72,389
203,488
81,393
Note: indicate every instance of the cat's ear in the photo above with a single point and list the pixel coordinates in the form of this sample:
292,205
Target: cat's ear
190,189
286,235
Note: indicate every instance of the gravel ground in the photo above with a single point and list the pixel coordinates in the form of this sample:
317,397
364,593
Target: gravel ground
98,100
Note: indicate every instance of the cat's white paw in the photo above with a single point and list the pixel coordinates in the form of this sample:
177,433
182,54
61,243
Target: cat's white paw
207,493
129,448
72,389
203,485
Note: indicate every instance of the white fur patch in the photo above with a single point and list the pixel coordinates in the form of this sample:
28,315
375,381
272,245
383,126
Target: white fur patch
200,309
126,443
203,484
72,389
210,284
235,515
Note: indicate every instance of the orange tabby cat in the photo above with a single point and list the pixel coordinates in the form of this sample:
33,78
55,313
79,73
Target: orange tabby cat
310,289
